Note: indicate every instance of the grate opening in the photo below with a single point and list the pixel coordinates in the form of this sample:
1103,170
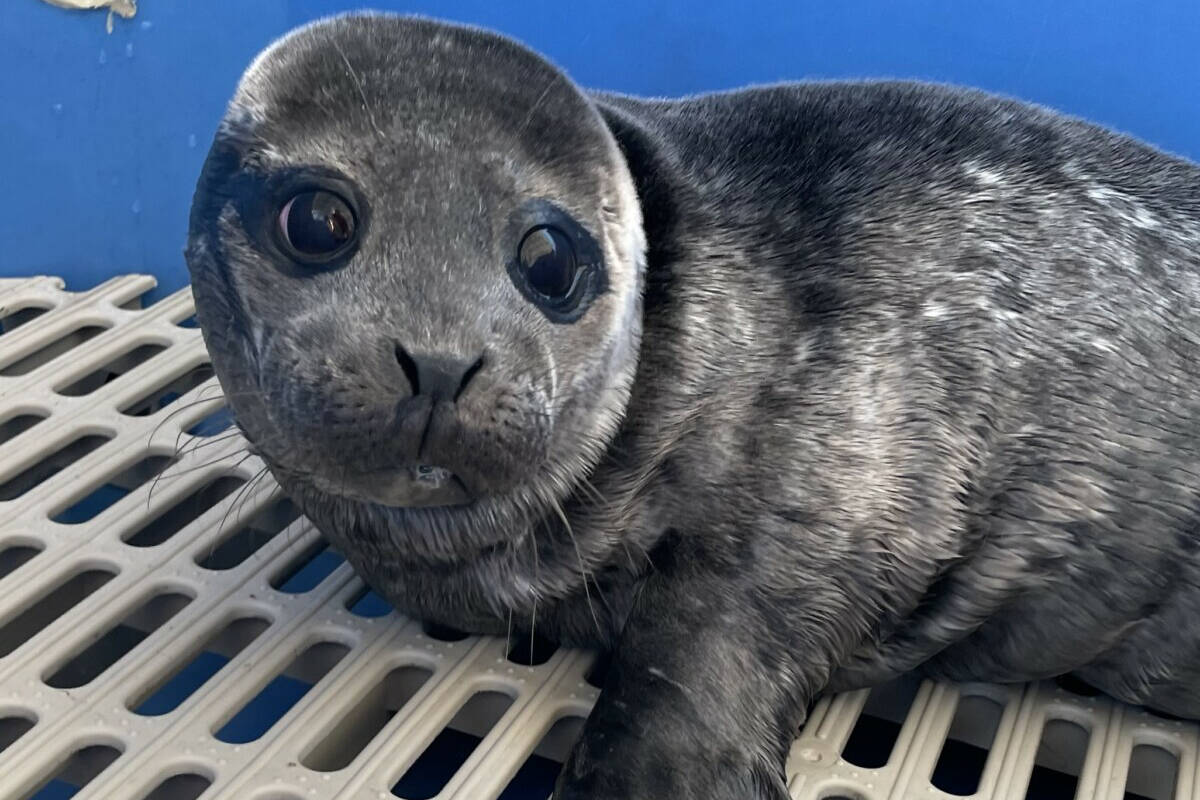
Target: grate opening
842,794
443,633
113,369
92,661
1153,773
877,728
212,424
14,556
51,465
50,606
12,728
451,748
965,752
1076,686
11,320
74,772
531,651
14,426
1059,761
305,571
188,322
360,724
185,786
192,670
278,697
45,355
97,499
597,674
366,603
537,775
166,393
248,536
175,518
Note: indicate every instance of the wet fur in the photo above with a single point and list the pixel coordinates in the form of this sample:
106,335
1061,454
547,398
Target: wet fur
904,378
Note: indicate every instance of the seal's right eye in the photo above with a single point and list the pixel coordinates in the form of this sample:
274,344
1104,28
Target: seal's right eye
316,225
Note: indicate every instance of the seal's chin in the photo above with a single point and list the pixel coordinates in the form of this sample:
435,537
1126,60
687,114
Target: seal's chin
420,486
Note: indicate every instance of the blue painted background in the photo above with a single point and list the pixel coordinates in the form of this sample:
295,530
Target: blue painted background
103,135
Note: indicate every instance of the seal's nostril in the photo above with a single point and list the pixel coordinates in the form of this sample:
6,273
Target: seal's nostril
410,369
439,375
470,373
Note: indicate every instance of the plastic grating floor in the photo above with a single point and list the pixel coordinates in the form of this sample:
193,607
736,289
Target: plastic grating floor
171,628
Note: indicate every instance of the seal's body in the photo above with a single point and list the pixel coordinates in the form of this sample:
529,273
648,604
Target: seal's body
771,391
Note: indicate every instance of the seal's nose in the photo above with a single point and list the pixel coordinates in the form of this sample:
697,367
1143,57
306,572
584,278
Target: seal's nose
438,375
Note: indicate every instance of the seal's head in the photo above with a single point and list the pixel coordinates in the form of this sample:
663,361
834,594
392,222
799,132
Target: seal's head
415,250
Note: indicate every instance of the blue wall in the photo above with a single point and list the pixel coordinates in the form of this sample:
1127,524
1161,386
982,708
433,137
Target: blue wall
104,134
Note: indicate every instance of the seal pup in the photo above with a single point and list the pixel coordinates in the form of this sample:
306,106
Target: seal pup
768,391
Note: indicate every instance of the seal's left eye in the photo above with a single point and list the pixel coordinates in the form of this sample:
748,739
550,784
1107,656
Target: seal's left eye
316,224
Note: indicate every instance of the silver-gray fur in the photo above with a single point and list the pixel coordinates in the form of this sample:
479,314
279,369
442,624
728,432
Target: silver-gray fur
875,377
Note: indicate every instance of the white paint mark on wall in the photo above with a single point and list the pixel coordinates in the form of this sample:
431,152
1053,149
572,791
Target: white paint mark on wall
126,8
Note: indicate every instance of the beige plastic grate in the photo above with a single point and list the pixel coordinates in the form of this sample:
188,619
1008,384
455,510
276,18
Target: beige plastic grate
98,612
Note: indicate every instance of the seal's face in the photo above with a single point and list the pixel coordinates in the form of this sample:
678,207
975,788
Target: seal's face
415,255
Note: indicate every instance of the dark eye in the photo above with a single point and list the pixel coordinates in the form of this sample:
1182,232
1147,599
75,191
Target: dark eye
548,260
316,224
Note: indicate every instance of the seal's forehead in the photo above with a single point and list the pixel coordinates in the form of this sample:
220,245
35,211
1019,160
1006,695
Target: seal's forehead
409,78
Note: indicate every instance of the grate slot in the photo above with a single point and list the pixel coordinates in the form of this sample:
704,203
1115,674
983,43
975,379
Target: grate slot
306,571
366,603
248,536
104,495
13,727
50,606
91,662
191,671
965,752
361,723
1059,761
451,748
278,697
14,426
66,342
175,518
12,319
74,772
15,556
531,651
167,392
113,369
1153,773
878,726
442,633
536,776
184,786
51,465
212,424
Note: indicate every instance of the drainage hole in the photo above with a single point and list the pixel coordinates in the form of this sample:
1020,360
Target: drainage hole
286,689
537,775
451,748
180,680
49,607
85,665
69,775
359,725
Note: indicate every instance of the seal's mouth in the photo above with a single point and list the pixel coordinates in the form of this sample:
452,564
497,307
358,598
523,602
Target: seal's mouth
418,486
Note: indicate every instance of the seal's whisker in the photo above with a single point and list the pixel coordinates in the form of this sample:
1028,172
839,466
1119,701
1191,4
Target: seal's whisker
582,571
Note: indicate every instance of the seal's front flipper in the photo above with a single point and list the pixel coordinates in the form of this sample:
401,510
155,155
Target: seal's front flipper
706,692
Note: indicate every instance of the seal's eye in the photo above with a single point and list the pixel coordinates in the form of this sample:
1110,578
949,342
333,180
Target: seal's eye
548,261
316,225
